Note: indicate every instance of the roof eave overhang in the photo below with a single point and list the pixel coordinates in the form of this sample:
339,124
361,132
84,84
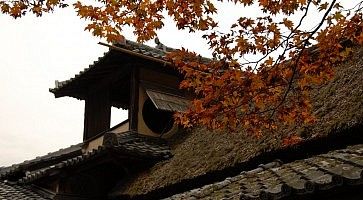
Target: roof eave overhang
69,87
64,93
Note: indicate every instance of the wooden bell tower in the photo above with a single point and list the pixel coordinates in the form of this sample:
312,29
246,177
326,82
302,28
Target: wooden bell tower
129,76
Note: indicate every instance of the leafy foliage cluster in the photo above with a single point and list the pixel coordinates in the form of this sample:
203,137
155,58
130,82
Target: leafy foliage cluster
231,90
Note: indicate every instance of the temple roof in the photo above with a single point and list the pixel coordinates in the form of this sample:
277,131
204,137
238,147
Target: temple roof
201,156
197,161
8,191
117,58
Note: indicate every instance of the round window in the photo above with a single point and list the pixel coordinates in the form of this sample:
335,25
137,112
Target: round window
159,121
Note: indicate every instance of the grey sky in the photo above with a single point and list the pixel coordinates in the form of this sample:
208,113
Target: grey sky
34,52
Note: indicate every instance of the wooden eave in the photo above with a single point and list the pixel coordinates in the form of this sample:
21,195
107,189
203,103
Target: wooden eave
116,60
105,67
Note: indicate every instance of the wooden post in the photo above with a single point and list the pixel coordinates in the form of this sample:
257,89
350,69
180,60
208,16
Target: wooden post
134,98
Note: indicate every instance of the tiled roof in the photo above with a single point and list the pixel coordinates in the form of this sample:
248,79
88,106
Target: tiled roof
145,49
130,144
52,157
137,48
8,192
319,173
127,47
46,171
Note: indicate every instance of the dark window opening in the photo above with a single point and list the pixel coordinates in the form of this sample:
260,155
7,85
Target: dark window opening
159,121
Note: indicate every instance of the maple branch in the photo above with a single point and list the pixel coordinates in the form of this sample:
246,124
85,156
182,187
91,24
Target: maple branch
306,41
254,112
124,13
291,34
286,40
358,6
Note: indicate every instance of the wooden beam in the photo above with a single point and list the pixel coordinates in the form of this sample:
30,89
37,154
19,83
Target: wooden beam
134,98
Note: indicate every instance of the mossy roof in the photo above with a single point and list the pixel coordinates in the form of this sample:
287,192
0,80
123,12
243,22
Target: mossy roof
338,106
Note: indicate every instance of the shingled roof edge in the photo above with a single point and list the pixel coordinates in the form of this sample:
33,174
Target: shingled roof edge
318,173
51,157
8,191
286,155
123,144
